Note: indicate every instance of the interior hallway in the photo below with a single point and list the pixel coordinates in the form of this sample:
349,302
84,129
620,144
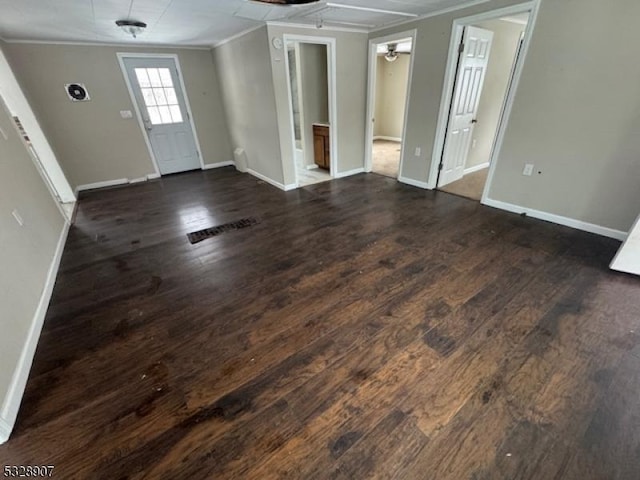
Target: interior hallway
425,333
386,157
470,186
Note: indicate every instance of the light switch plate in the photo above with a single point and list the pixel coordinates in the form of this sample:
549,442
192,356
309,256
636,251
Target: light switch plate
528,169
418,151
126,114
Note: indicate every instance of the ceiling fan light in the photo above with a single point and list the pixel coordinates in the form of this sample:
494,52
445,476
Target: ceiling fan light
132,27
391,57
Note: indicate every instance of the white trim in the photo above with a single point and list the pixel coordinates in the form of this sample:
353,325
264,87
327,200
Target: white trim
325,28
414,183
436,13
349,173
112,44
457,31
121,57
511,93
5,431
623,252
312,167
476,168
138,180
559,219
270,181
153,176
369,9
332,66
237,35
371,95
210,166
11,402
388,139
107,183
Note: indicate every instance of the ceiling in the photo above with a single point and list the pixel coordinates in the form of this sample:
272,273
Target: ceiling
192,22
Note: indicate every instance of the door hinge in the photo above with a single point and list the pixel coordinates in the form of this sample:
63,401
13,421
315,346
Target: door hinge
461,49
440,167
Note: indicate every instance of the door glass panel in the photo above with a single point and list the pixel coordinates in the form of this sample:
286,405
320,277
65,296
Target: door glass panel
154,116
154,77
176,114
149,98
165,114
159,94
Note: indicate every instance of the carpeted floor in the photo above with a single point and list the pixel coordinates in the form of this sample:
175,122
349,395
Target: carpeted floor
386,158
469,186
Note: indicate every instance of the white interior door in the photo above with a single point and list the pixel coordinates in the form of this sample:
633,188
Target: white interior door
162,104
466,97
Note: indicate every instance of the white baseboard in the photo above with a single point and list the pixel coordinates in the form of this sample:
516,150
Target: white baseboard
348,173
210,166
108,183
559,219
476,168
270,181
153,176
414,183
138,180
389,139
11,403
5,431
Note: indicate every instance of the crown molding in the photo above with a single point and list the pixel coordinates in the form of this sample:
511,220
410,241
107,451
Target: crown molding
325,27
105,44
238,35
436,13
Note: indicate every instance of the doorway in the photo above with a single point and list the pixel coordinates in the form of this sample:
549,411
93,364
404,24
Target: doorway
161,103
485,61
311,92
390,73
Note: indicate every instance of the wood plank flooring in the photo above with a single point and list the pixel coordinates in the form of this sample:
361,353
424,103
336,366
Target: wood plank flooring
364,329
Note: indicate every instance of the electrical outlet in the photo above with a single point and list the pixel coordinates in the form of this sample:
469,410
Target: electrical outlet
528,169
418,151
18,218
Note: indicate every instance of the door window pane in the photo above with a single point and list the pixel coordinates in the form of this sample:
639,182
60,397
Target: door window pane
159,94
154,77
176,114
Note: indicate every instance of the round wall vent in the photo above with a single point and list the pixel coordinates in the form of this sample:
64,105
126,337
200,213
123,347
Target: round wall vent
77,92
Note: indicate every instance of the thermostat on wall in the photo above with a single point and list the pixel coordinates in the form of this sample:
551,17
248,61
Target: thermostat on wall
77,92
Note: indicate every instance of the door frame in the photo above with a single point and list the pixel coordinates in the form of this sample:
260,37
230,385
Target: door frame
121,57
532,7
332,82
371,95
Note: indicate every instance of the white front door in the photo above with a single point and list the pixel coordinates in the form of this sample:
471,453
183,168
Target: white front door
161,103
466,97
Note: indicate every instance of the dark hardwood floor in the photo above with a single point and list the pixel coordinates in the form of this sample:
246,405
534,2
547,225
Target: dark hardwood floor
363,329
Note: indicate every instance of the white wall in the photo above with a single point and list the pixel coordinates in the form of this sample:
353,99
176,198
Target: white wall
244,72
92,142
19,106
574,116
28,260
506,38
391,94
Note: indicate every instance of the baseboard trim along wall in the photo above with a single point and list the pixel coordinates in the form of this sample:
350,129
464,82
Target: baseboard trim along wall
108,183
11,403
210,166
476,168
389,139
559,219
349,173
270,181
414,183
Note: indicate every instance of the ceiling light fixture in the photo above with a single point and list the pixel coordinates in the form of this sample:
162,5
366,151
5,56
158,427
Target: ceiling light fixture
132,27
392,54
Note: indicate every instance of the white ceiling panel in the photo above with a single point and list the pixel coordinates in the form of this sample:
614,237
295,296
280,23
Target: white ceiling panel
190,22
